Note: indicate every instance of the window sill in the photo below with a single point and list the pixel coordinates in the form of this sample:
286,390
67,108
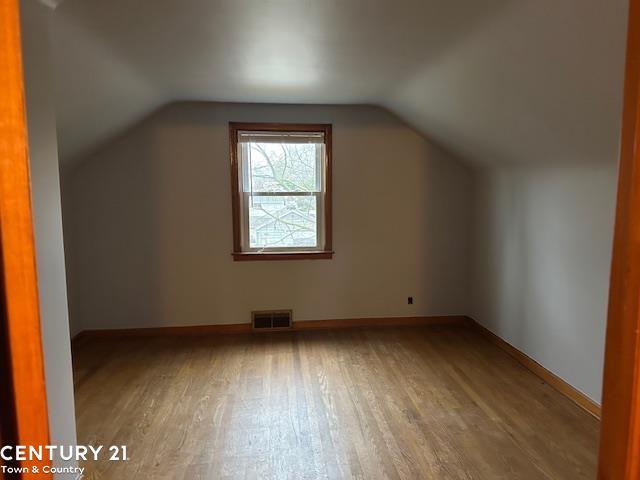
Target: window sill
251,256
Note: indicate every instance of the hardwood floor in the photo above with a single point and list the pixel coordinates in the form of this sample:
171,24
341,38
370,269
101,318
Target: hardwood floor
414,402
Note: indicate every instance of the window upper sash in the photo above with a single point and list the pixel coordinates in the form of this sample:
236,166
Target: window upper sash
246,170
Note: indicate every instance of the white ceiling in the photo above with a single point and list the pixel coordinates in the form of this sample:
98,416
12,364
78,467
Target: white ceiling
492,80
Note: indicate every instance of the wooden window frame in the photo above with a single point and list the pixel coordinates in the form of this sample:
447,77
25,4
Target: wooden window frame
238,253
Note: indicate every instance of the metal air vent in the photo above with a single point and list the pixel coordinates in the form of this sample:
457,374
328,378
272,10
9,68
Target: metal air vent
271,320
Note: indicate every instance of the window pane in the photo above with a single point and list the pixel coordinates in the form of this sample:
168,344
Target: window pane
282,221
282,167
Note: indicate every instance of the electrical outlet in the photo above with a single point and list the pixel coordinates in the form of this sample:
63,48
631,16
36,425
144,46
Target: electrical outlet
410,300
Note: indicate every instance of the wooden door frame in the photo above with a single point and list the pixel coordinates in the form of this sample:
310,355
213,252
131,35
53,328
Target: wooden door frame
619,457
24,418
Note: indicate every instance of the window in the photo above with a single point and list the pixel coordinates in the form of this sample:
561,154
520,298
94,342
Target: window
281,187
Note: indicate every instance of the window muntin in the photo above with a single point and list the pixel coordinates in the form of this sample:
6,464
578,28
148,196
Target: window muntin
282,190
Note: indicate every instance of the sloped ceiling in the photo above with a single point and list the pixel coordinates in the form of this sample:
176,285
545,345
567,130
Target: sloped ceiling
492,81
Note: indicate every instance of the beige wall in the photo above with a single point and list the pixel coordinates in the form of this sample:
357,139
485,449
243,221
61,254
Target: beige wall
543,252
45,186
149,218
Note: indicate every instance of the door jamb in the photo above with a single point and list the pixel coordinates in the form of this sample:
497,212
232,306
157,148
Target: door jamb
619,457
24,415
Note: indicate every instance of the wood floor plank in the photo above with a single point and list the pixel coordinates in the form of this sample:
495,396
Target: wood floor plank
383,403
